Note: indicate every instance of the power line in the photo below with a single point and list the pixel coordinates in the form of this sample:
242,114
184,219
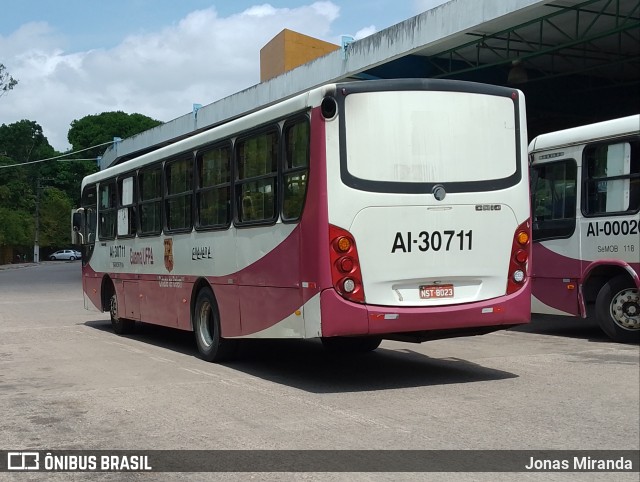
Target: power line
60,156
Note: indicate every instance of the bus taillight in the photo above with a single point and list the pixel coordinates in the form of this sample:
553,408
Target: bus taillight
520,251
345,266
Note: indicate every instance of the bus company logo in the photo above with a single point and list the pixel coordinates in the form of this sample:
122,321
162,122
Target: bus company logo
488,207
23,461
168,254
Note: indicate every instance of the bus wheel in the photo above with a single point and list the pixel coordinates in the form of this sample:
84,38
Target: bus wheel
618,310
121,326
206,324
351,344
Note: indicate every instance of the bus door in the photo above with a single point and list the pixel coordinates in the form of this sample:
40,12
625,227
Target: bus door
556,265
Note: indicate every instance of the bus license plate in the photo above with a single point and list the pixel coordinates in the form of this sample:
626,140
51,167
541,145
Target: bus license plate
436,291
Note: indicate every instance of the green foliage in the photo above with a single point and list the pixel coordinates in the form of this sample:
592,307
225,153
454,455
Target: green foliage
7,82
53,186
55,220
16,227
97,129
24,141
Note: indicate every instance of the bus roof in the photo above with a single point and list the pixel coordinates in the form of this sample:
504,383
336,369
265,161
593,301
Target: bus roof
232,128
588,133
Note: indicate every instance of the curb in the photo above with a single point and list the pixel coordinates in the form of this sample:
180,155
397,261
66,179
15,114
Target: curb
4,267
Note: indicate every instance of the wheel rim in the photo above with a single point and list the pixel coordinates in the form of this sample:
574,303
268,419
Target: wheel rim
625,309
204,324
113,308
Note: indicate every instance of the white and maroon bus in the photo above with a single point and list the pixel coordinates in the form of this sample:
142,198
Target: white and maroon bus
353,212
586,224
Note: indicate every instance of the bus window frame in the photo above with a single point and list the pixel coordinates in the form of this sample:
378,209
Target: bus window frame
560,232
634,142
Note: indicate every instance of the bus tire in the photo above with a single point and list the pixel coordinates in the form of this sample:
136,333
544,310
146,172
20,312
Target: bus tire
206,325
618,310
121,326
351,344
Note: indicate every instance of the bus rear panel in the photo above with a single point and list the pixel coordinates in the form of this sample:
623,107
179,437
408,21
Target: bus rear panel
429,181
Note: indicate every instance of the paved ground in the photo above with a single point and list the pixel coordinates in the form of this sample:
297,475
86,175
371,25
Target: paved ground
68,382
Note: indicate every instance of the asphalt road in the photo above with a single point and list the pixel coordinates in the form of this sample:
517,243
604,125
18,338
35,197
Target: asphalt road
68,382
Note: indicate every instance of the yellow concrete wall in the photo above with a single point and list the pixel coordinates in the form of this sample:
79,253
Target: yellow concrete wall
288,50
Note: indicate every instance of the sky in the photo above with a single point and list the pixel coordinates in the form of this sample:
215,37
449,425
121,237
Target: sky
74,58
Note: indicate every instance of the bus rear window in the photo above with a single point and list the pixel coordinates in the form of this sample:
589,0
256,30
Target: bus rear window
430,137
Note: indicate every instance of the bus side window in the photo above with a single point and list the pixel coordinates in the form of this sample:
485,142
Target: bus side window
296,168
150,200
108,205
213,187
257,173
612,178
89,203
127,221
91,225
554,199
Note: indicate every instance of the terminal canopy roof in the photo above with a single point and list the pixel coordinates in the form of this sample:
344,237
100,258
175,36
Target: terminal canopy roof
577,61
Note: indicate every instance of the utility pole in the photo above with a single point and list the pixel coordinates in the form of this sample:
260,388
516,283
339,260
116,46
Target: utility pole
36,242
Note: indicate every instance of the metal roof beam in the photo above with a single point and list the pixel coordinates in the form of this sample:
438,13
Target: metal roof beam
528,49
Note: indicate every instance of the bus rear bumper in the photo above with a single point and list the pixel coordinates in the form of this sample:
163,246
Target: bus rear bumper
340,317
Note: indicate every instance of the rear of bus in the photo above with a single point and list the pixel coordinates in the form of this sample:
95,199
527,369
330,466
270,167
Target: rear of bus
428,209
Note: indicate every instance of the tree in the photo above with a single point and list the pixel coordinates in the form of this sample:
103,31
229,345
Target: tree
24,141
55,226
20,143
16,227
93,130
97,129
7,82
53,186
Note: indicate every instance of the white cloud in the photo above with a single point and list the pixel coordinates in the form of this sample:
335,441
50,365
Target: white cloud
365,32
200,59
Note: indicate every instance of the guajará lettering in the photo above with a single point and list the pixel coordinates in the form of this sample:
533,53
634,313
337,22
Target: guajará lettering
143,256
